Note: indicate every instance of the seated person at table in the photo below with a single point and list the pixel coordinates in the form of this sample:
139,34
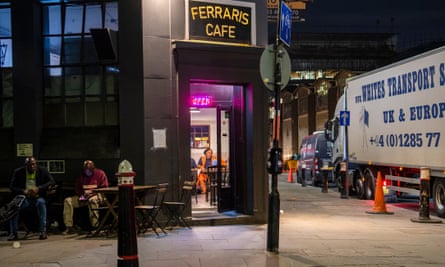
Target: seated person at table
90,178
204,162
32,181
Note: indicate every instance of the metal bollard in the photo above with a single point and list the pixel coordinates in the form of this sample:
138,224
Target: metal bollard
325,169
424,198
127,249
303,175
344,180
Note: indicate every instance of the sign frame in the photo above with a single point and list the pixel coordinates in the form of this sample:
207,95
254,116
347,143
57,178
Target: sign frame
250,5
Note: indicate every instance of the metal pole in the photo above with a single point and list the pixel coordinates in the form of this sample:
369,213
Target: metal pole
274,196
346,153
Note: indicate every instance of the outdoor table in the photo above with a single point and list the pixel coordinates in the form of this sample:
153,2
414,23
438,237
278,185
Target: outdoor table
112,193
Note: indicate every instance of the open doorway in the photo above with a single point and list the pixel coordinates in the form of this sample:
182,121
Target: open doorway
210,147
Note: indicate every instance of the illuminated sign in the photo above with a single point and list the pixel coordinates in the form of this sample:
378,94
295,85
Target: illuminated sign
222,21
201,101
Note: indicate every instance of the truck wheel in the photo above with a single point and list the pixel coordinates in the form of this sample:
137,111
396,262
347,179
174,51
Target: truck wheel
360,189
369,185
337,178
439,197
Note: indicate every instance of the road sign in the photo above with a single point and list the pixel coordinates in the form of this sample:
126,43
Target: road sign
267,66
344,118
285,23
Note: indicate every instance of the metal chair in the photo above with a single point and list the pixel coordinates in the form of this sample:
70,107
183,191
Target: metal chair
194,177
147,213
175,209
104,211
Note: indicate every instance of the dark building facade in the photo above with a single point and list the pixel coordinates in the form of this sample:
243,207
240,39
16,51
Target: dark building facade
70,93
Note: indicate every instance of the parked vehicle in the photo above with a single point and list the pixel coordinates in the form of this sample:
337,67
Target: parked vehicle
314,150
396,126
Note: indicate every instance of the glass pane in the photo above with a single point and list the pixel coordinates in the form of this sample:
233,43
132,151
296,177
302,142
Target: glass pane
52,21
5,22
111,114
93,18
52,50
93,81
89,50
73,82
7,113
73,19
74,114
6,53
111,19
53,83
110,84
71,53
93,114
6,77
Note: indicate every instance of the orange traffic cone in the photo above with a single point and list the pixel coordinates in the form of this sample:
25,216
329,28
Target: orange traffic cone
290,178
379,200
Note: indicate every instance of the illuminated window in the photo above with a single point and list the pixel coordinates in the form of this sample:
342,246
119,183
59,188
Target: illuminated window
200,136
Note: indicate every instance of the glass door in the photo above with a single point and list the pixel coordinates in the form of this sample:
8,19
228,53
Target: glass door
224,190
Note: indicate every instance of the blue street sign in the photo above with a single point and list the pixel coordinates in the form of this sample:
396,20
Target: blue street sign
344,118
285,23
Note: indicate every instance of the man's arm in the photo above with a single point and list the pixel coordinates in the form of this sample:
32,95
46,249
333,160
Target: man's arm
47,180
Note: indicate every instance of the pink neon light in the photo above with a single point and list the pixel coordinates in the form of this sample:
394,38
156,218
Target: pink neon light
201,101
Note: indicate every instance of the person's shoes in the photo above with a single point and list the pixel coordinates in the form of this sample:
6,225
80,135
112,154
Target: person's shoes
69,231
43,236
13,236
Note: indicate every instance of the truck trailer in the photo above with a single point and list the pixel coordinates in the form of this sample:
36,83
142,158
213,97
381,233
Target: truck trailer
391,120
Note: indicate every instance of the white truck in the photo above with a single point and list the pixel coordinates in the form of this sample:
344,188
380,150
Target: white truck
396,125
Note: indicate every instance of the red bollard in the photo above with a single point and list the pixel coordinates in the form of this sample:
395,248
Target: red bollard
424,200
127,249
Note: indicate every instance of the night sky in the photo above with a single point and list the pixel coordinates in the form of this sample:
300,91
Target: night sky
414,21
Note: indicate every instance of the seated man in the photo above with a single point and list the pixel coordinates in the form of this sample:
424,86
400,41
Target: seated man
33,182
90,178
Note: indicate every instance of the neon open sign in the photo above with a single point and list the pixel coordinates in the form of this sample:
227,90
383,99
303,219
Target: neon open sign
201,101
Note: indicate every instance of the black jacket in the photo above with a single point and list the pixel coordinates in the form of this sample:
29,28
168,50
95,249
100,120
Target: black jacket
43,181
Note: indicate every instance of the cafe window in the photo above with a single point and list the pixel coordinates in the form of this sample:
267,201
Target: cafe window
200,136
80,90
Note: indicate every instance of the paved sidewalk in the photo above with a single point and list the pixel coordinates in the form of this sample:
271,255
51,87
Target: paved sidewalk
316,229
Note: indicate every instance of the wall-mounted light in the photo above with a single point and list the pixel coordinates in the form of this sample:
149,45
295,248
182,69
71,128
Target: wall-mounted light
194,110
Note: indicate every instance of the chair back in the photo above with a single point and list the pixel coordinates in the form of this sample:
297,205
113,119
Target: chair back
161,191
186,192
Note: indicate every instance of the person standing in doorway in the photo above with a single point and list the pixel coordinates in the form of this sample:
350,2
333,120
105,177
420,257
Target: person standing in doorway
32,181
90,178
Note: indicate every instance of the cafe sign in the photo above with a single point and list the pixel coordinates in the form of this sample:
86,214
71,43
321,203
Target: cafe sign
221,21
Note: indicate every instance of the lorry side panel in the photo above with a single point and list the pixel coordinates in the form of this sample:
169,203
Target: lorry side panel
397,113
